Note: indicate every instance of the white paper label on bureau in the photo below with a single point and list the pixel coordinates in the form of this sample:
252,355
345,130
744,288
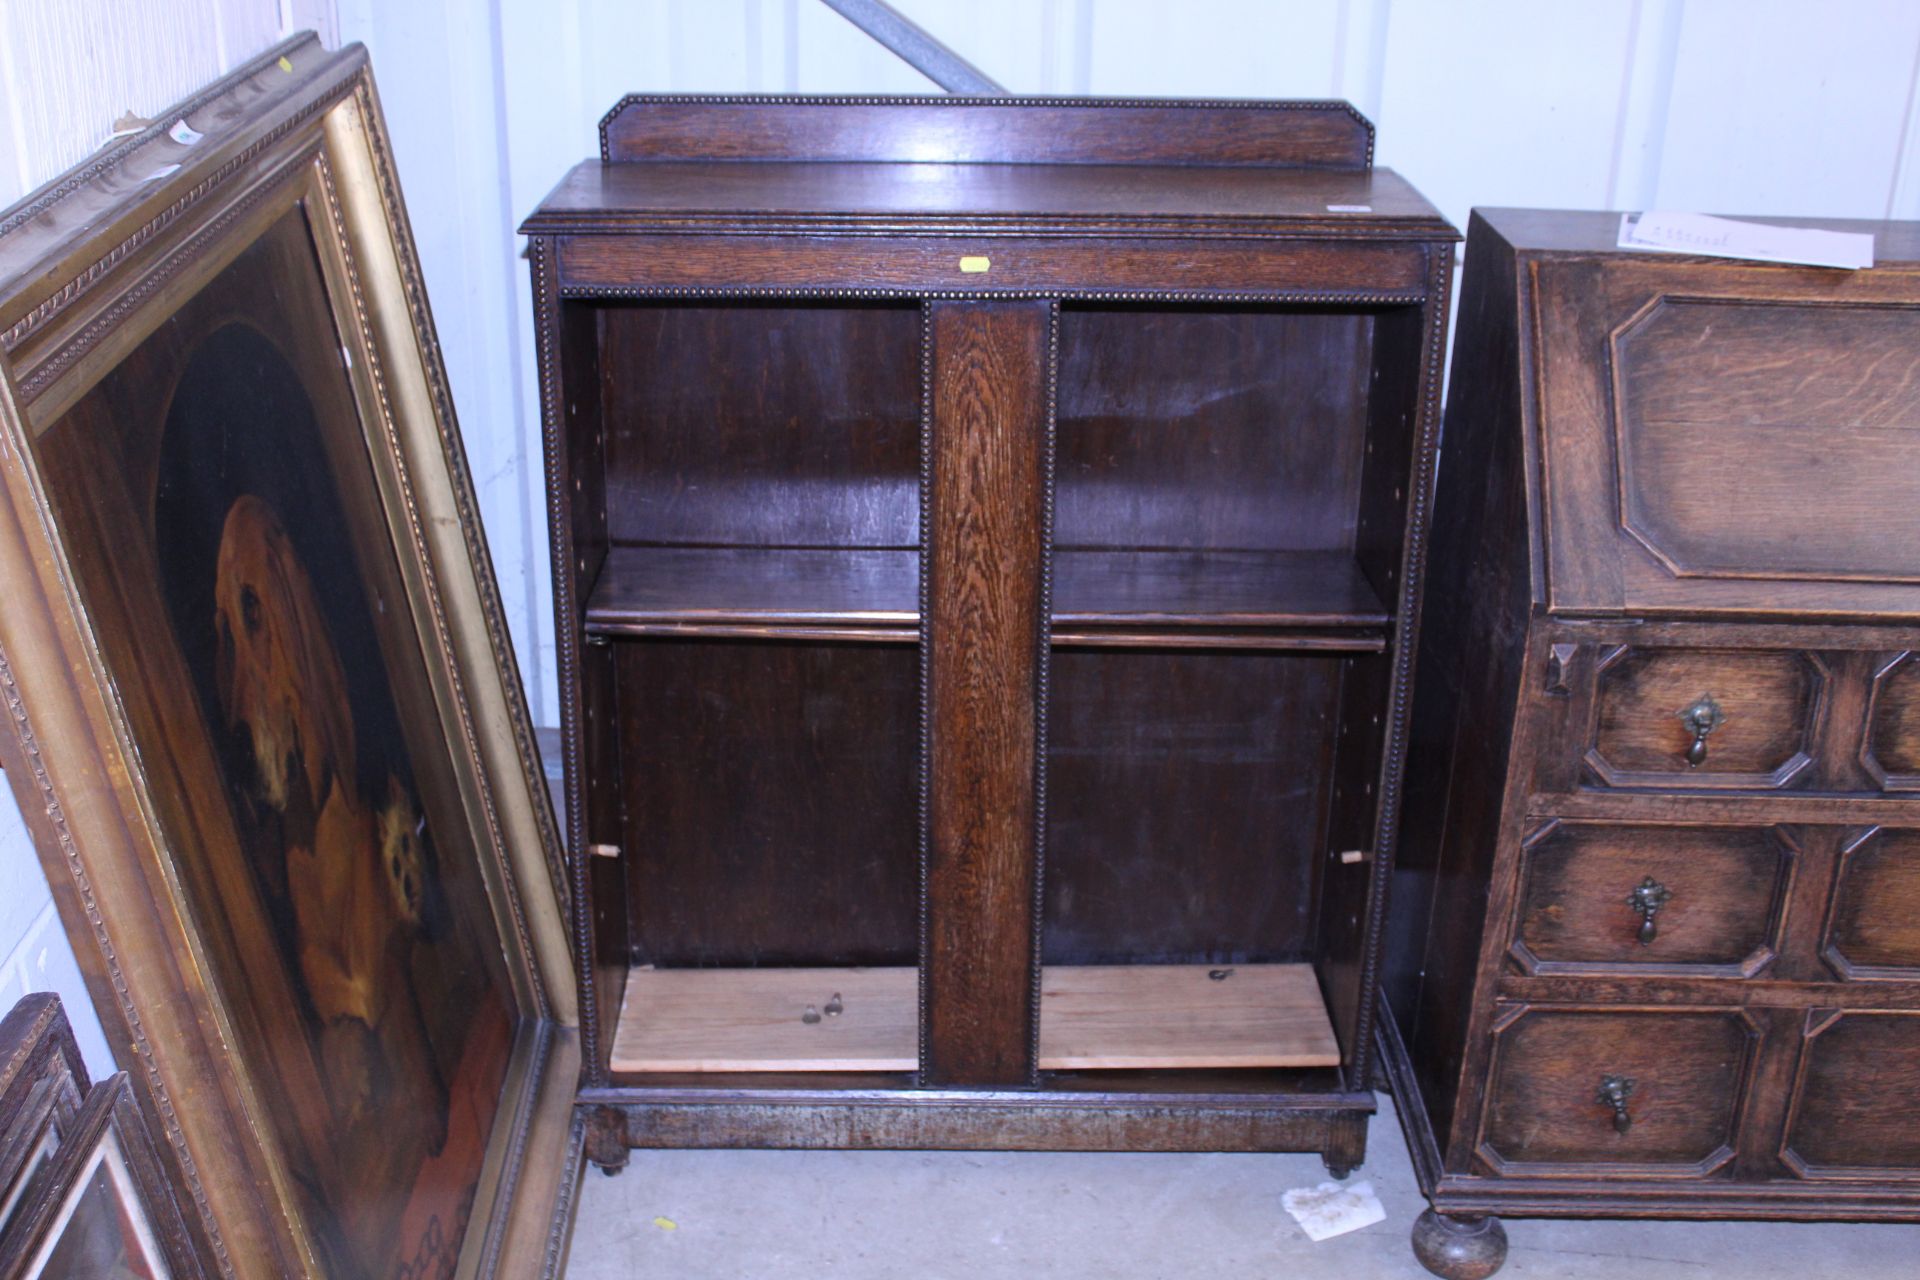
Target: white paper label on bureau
1660,231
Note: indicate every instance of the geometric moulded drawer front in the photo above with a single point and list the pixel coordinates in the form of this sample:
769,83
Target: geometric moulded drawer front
1733,718
1873,929
1611,896
1656,1094
1856,1098
1892,750
1738,463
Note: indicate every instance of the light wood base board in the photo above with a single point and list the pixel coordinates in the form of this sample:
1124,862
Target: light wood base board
1091,1018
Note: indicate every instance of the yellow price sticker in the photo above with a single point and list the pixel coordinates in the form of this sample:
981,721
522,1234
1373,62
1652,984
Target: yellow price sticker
975,264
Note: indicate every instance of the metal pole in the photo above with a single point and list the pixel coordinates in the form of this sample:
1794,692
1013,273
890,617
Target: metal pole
915,47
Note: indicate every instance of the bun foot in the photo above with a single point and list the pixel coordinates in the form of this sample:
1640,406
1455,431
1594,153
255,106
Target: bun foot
1459,1248
1338,1172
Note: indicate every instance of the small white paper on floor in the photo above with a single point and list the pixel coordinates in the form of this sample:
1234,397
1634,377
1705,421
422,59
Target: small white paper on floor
1330,1209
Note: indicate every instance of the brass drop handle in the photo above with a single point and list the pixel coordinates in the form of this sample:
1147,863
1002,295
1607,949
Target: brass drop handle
1647,898
1701,718
1614,1092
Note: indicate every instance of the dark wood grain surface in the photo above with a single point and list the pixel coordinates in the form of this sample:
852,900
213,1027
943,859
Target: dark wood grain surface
605,196
1187,797
1143,590
1725,888
1687,1071
1892,748
761,425
1874,929
987,130
1473,650
1211,429
769,800
985,657
1537,232
1766,1021
920,256
1855,1112
589,735
1739,486
1707,409
1137,451
1770,701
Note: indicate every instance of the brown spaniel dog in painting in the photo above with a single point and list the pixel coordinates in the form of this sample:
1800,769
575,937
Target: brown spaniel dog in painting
354,875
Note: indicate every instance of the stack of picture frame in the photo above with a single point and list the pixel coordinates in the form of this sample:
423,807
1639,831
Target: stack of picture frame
82,1194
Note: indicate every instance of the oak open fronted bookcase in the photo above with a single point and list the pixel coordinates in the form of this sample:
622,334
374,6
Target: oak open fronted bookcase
987,536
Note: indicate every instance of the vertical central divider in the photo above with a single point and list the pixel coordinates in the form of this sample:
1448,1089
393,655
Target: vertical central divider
989,393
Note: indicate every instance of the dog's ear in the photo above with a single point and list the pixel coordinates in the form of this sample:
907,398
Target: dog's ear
286,653
223,660
325,710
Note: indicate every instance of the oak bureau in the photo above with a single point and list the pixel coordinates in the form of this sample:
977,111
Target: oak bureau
1656,915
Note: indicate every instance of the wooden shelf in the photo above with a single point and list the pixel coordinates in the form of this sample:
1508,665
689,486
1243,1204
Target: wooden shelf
1215,599
1091,1018
1261,599
746,590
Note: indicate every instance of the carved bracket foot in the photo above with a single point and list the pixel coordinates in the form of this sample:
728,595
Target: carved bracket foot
1459,1248
606,1144
1345,1148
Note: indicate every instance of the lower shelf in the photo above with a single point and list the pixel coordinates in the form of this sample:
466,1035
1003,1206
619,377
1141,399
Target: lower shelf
1091,1018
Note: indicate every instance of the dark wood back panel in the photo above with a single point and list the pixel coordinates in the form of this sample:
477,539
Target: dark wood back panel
1211,428
762,424
771,802
960,130
1186,803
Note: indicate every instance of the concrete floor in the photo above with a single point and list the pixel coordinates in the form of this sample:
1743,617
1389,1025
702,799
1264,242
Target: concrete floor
973,1216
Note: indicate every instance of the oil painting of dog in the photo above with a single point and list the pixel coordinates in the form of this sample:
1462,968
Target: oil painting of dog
230,532
354,880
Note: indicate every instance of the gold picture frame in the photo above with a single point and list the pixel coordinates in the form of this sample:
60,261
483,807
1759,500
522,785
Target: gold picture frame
263,718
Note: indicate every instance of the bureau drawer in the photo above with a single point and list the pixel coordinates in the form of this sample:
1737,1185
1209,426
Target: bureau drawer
1607,896
1892,749
1721,718
1873,925
1627,1092
1855,1107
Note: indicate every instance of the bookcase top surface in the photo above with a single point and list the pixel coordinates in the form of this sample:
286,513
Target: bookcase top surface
1068,165
731,195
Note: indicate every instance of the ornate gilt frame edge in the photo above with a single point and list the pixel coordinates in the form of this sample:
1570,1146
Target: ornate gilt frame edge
317,99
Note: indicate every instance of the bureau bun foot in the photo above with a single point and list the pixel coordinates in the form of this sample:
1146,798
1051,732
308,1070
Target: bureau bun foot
1459,1248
